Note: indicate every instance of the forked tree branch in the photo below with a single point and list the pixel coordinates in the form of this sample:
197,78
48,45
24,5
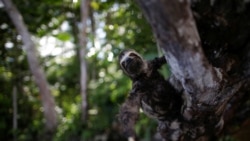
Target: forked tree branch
205,87
176,33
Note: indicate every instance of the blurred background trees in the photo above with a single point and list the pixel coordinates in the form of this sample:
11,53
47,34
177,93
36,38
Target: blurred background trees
54,26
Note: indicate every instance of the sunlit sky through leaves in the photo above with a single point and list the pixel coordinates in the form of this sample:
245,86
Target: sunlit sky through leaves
52,46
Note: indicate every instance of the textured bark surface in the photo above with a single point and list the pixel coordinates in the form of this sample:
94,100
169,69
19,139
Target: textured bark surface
39,76
212,81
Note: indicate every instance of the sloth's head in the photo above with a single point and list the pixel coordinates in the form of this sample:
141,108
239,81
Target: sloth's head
132,63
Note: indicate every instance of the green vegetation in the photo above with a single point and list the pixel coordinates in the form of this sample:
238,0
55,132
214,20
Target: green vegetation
53,25
112,26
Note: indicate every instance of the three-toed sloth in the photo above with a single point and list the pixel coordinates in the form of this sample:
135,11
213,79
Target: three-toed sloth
150,92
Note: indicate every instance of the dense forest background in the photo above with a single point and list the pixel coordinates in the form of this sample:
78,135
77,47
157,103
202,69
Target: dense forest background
111,26
53,24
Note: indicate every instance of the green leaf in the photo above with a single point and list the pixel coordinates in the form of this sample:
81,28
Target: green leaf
63,36
95,5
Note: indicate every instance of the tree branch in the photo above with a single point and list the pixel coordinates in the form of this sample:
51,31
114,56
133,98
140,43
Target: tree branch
206,89
176,33
36,70
85,5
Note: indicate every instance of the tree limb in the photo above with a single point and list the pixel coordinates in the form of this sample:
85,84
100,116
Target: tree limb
36,70
206,89
176,33
82,52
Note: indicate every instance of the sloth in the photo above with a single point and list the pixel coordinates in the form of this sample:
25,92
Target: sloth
150,91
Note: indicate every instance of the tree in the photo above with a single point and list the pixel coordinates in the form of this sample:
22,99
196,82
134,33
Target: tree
39,76
82,53
211,80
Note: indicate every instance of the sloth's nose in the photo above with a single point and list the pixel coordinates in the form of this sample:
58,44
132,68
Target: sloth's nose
128,60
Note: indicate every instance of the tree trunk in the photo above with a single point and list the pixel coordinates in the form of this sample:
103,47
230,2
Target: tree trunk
83,66
208,90
14,103
39,76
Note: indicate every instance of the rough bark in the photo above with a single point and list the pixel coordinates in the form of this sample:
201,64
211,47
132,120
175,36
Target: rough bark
39,76
83,66
208,90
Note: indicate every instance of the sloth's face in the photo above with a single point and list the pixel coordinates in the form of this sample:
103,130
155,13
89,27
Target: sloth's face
131,62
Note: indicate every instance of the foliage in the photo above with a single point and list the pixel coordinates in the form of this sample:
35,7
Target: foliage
117,25
121,25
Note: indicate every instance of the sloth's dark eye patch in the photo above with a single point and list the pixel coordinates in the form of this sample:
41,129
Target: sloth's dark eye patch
133,55
123,64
